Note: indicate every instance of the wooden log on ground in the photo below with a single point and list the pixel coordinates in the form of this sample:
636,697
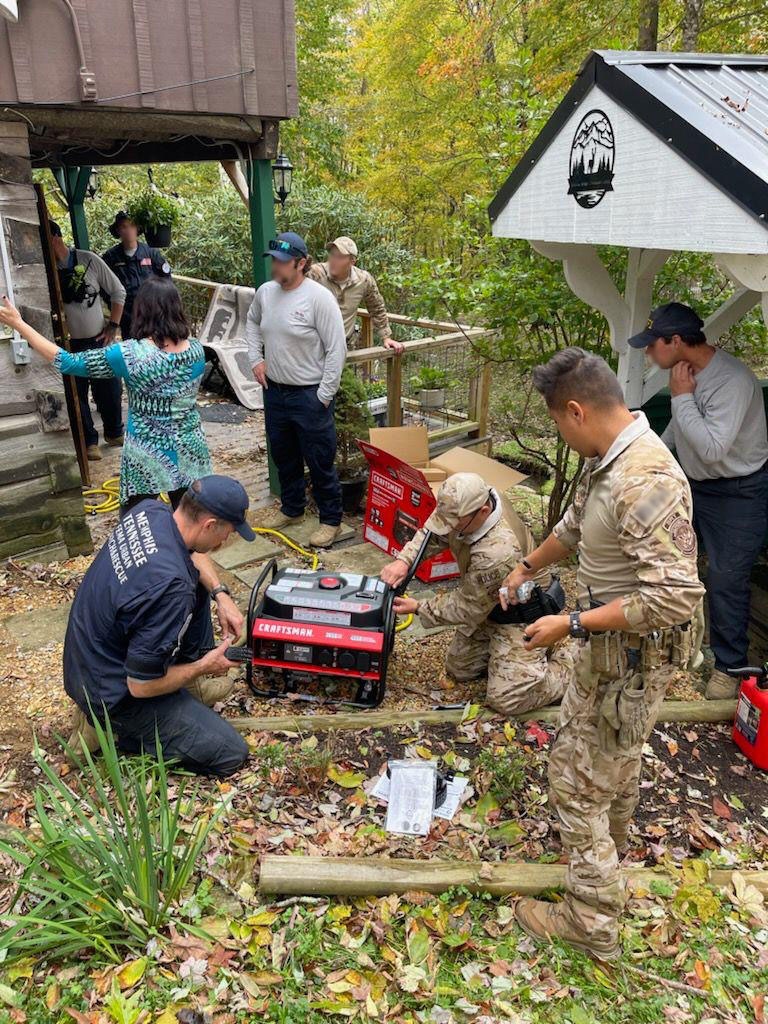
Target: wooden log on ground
380,876
671,711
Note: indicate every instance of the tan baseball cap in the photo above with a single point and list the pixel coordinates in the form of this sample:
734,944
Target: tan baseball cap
460,495
346,246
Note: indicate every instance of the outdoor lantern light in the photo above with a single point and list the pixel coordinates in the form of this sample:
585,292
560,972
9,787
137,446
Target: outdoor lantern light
282,170
93,183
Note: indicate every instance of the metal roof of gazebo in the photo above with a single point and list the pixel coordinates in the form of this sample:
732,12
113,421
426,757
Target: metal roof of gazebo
658,152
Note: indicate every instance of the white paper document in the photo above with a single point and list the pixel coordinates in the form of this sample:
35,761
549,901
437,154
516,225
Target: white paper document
446,810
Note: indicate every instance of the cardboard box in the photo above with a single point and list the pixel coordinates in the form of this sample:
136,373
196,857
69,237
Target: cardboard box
402,487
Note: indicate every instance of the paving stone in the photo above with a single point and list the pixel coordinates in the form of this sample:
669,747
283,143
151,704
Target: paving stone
363,558
243,552
249,574
301,532
31,630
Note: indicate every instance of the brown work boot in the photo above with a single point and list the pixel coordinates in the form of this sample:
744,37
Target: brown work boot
114,442
82,730
93,454
324,536
721,686
209,690
278,520
547,921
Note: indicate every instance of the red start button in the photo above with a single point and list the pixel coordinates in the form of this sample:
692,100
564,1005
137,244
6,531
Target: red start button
330,582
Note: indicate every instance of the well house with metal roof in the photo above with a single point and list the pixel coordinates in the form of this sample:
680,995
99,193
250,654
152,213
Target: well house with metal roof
657,152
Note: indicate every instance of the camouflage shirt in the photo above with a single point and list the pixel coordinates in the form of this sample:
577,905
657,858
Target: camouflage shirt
359,289
484,559
631,521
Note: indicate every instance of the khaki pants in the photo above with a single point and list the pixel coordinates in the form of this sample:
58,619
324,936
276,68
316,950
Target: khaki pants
518,680
595,794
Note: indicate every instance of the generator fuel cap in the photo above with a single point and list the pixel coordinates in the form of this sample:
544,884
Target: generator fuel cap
330,582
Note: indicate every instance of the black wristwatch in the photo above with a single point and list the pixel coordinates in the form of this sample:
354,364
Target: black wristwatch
576,631
113,324
221,589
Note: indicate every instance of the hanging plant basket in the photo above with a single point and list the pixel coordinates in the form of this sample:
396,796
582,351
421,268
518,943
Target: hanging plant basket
159,237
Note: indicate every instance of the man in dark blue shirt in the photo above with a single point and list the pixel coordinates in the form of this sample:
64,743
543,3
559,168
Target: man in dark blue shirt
141,621
132,261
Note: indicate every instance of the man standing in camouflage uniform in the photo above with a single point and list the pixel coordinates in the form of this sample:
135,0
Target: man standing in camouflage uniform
630,522
353,288
487,539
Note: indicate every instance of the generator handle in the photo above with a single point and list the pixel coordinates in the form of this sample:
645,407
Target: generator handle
401,589
271,566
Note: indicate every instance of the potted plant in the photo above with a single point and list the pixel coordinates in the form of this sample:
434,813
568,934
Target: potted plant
155,214
352,421
430,383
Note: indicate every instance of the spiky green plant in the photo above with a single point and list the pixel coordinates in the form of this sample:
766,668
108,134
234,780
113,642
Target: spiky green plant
105,865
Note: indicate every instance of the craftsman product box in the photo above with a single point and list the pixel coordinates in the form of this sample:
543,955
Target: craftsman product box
402,487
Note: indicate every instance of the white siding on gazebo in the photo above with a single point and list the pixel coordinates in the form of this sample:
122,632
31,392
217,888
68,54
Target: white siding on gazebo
659,200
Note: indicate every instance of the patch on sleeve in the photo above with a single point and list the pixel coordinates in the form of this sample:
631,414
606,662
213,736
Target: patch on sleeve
681,533
654,502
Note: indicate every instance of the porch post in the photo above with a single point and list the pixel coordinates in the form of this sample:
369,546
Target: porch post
73,182
261,207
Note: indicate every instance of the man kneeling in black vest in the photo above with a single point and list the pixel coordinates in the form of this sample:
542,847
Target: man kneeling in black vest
140,629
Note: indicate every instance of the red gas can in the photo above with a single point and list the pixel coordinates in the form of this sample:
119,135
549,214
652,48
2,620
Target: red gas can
750,727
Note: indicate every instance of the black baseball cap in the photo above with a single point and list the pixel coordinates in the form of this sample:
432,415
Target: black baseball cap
286,247
667,320
114,227
225,498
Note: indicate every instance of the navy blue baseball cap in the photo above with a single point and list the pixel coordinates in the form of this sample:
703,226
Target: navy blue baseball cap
666,321
225,498
287,246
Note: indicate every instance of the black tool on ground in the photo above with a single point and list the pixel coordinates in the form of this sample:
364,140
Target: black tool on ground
442,778
533,603
327,629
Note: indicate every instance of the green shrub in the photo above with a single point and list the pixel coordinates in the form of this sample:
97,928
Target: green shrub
106,865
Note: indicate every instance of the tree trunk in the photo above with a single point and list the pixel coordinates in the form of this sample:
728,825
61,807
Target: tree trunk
648,25
692,14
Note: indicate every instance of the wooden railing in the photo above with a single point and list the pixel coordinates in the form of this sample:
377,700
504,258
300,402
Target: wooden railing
473,425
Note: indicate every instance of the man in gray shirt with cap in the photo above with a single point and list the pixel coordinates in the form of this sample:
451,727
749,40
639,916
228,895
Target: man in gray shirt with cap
297,349
718,431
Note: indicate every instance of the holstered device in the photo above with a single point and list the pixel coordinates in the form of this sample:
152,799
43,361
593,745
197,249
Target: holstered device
533,603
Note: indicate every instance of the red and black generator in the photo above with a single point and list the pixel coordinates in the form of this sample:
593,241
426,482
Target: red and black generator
330,630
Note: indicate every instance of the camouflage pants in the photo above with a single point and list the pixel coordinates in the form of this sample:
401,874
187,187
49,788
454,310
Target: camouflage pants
595,794
518,680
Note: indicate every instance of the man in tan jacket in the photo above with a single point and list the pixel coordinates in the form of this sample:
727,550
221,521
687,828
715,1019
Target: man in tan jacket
353,288
487,539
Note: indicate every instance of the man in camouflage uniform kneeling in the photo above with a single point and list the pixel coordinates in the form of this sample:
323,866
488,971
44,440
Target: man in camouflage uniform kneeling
487,539
630,523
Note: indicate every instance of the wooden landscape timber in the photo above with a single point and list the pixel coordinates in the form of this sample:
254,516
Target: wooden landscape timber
671,711
380,876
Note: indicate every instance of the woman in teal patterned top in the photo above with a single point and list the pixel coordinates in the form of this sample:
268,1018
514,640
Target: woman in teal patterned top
165,447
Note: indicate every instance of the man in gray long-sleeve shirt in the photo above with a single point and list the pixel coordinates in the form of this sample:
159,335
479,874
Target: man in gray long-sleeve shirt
83,277
718,431
297,348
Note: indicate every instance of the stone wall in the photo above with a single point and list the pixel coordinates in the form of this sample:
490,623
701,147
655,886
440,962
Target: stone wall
41,506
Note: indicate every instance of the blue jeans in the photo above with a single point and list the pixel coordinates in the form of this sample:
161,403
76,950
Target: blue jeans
302,431
730,516
107,394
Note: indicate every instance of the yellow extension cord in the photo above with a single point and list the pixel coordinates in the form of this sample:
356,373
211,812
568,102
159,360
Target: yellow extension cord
111,503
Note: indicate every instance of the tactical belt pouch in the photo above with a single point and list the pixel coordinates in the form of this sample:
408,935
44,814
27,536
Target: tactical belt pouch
613,653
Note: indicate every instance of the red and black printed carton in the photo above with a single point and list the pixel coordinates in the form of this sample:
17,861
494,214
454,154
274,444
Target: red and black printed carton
402,487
